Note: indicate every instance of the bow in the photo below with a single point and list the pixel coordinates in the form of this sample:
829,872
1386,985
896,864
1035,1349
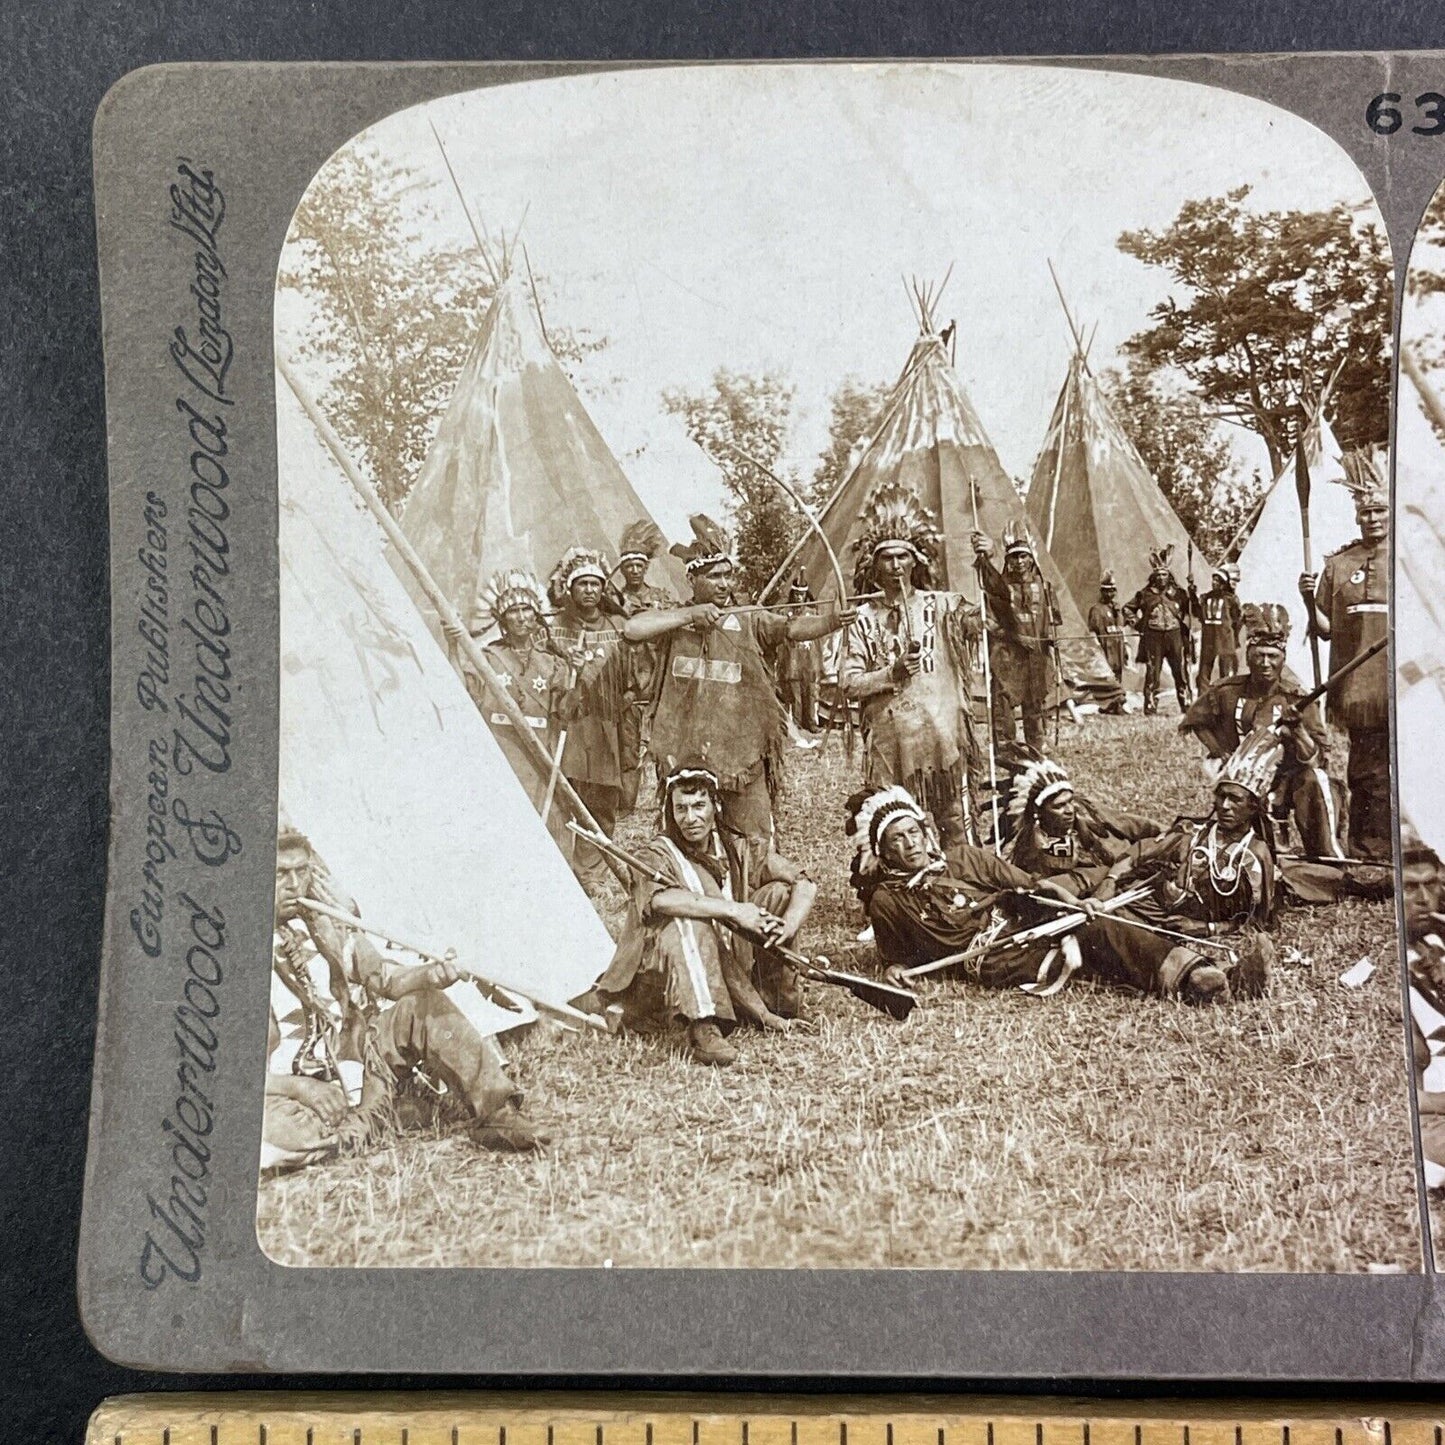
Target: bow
802,506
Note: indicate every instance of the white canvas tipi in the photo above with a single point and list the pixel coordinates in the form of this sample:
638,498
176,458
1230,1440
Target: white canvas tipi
389,769
1272,557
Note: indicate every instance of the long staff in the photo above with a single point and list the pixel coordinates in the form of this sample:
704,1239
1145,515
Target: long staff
440,601
1302,491
987,678
504,995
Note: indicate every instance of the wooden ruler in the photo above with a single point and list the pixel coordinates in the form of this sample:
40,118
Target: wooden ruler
622,1419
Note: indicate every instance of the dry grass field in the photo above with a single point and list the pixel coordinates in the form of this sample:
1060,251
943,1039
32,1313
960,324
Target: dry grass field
991,1131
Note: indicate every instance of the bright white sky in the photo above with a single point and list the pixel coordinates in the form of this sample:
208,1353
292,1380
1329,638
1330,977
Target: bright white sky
763,217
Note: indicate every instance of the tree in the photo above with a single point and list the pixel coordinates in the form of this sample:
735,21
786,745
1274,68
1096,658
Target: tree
1180,444
1426,275
753,413
1274,305
855,409
391,309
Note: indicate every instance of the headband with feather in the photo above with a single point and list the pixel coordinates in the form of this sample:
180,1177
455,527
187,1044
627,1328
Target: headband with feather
641,541
710,545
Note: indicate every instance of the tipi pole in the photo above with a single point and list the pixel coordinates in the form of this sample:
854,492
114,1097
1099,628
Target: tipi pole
1302,491
466,209
987,681
441,603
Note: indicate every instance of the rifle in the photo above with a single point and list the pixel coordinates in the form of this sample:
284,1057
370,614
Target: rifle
897,1003
1051,928
504,996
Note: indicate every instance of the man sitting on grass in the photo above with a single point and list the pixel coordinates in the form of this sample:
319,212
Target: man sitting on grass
391,1019
697,949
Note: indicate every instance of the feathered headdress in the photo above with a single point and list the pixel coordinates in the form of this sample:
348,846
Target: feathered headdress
1253,763
641,541
709,546
1107,583
1365,477
893,516
1161,560
507,589
1016,539
1230,571
1267,623
1033,787
868,814
576,563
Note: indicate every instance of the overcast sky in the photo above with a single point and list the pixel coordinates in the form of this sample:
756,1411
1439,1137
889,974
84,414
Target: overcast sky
763,217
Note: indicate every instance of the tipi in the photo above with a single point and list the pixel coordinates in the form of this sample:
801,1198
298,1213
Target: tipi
1420,603
388,768
1272,557
517,472
1092,501
928,437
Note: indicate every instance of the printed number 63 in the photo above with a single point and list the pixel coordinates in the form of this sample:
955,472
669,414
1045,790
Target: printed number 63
1383,116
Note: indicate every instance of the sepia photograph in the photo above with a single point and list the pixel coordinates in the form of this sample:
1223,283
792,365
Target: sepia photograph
834,694
1420,679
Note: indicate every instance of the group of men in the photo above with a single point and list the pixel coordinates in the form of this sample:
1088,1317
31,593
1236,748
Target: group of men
968,849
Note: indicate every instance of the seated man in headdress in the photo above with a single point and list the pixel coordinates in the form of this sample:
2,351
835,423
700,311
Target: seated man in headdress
908,660
925,906
1024,622
389,1020
697,949
1216,877
1268,695
714,699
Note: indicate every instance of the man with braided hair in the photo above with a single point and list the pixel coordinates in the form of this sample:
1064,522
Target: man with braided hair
1024,622
697,948
641,542
586,631
714,699
908,661
1161,609
392,1020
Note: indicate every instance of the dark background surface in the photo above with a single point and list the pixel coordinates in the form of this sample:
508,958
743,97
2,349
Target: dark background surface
57,61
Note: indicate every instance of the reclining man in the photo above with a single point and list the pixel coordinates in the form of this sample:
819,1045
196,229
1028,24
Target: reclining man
924,907
392,1019
697,948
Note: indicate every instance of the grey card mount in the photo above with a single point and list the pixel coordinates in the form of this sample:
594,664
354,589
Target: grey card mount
798,657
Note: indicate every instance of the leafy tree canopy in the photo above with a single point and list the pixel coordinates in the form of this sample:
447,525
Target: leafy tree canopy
1273,305
393,309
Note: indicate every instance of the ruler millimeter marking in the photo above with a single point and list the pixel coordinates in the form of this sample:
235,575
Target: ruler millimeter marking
359,1418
